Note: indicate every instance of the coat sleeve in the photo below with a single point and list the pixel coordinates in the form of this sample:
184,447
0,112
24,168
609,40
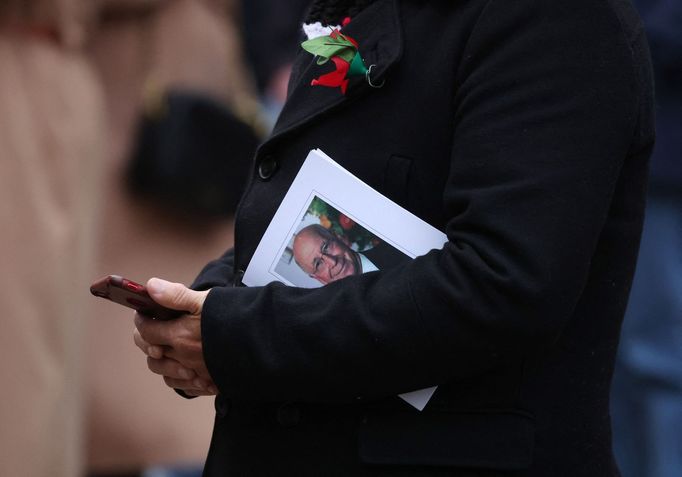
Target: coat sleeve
546,106
218,273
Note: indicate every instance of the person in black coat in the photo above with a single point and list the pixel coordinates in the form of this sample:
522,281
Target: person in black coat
523,131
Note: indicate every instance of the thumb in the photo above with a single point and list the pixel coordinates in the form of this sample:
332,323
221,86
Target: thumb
176,296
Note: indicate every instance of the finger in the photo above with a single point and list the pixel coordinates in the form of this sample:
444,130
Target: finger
194,385
176,296
139,342
193,361
154,332
150,350
194,393
186,386
170,368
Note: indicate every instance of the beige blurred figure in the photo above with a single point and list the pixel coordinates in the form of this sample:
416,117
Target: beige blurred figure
51,131
135,421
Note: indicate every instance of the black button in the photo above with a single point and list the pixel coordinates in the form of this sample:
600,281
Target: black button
288,415
267,168
222,406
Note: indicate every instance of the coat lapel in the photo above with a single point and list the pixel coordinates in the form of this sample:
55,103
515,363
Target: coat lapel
377,30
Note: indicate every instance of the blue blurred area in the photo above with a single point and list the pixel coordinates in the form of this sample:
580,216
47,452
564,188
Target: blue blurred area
647,385
663,24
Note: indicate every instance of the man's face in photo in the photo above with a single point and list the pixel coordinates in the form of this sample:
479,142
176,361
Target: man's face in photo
323,256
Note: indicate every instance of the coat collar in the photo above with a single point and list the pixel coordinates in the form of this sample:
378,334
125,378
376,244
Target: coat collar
378,32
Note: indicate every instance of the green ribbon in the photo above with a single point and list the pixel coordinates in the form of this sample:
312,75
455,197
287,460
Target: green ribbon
357,66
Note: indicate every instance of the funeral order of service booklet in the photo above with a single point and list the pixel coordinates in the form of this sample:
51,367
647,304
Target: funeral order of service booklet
369,232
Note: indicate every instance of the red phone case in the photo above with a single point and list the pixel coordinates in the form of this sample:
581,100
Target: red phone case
133,295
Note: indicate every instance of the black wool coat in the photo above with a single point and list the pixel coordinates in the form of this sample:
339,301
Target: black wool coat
385,256
522,129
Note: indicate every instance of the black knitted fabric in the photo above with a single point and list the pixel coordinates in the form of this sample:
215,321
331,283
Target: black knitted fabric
332,12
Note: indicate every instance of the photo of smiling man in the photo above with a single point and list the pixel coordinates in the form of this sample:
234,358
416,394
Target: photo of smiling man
329,245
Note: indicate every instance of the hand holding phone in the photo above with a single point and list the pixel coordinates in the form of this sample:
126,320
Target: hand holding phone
133,295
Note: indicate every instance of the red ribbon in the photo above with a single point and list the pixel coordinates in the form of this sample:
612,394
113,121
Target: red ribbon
335,78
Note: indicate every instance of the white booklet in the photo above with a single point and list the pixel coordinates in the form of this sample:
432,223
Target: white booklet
331,225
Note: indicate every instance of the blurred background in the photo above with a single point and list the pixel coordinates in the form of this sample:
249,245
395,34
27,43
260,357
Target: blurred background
126,134
646,396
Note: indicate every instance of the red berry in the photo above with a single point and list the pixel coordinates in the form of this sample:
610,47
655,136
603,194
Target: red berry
345,222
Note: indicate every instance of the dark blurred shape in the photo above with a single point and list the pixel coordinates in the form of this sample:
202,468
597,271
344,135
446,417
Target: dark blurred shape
663,24
647,386
272,33
192,156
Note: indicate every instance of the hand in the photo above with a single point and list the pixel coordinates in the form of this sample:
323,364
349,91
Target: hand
174,348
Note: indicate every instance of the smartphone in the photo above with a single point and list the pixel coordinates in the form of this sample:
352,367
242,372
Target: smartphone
133,295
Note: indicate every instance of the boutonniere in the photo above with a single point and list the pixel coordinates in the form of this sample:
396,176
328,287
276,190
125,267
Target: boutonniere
343,51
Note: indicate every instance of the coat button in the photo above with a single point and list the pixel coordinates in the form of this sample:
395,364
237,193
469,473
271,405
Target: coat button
267,167
288,415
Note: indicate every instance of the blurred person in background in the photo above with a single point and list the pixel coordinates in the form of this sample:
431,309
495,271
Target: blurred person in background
51,150
647,386
272,33
143,49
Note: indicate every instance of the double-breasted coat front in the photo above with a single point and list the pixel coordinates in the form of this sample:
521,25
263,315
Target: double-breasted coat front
522,130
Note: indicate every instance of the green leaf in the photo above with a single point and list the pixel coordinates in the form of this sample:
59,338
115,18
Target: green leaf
329,51
321,43
311,45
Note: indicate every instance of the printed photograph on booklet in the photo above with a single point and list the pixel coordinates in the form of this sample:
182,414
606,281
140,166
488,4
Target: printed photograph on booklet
329,245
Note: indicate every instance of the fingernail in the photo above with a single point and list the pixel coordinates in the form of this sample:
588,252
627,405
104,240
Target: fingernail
156,285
